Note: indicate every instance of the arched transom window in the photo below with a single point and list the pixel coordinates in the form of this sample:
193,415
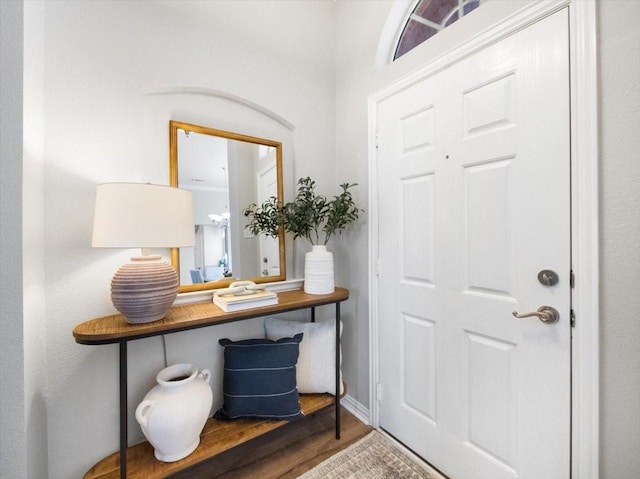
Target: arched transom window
428,18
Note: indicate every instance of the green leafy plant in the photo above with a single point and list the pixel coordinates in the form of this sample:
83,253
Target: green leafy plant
265,219
309,215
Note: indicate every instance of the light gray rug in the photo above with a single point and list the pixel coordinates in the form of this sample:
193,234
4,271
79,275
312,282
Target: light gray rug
373,457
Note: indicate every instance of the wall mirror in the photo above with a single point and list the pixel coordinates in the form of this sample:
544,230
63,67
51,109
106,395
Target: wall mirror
226,172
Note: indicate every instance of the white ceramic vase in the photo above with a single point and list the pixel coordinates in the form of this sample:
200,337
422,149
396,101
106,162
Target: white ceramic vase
173,413
318,271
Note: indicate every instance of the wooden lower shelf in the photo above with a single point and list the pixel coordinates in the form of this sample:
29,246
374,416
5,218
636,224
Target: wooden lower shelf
217,437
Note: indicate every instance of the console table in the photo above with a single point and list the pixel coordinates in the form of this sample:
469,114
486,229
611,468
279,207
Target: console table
217,436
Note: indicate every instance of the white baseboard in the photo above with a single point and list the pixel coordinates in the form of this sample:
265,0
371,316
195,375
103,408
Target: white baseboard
356,408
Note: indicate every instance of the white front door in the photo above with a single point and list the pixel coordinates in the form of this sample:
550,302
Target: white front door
474,202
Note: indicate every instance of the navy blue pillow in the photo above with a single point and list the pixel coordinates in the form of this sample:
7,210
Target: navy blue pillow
260,379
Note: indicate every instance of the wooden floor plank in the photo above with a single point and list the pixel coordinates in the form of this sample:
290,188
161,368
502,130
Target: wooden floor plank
285,453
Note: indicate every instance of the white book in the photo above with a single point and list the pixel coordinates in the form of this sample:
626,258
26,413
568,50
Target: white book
230,302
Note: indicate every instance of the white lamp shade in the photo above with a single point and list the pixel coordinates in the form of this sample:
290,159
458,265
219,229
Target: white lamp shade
139,215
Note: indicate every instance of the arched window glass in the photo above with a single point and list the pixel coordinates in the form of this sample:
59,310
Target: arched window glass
428,18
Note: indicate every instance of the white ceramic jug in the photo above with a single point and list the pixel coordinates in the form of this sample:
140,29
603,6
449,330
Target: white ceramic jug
173,414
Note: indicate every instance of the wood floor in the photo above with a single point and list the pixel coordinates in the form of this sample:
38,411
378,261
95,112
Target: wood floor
284,453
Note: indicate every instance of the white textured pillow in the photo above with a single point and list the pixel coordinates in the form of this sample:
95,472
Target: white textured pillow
316,370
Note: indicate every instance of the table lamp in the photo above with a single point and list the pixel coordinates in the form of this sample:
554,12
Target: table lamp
138,215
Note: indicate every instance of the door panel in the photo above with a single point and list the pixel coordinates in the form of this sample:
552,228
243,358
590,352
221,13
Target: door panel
418,201
473,183
491,426
489,224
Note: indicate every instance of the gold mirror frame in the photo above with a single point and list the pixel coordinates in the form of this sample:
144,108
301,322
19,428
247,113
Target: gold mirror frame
174,126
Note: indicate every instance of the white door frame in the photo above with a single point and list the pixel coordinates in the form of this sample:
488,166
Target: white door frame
584,214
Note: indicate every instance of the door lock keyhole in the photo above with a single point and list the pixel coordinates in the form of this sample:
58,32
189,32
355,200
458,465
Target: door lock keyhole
548,277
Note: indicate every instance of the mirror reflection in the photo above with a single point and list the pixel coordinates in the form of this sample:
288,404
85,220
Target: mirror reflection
225,172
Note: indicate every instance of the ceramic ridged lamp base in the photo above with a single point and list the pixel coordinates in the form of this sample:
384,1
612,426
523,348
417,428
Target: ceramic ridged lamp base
318,271
145,289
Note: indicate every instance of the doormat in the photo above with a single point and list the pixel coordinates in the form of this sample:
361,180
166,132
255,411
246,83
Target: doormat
372,457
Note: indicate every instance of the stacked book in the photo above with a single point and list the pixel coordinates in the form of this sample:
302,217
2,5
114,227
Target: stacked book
238,302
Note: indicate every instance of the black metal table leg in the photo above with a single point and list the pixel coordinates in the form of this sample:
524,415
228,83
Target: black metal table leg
313,314
123,410
338,370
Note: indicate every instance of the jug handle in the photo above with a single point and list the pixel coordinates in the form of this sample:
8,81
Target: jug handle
142,411
206,375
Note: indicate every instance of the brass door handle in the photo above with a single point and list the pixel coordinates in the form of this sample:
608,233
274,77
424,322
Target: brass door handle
546,314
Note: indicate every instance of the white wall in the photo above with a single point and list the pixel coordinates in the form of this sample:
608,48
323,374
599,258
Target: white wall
13,437
619,77
100,58
34,244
